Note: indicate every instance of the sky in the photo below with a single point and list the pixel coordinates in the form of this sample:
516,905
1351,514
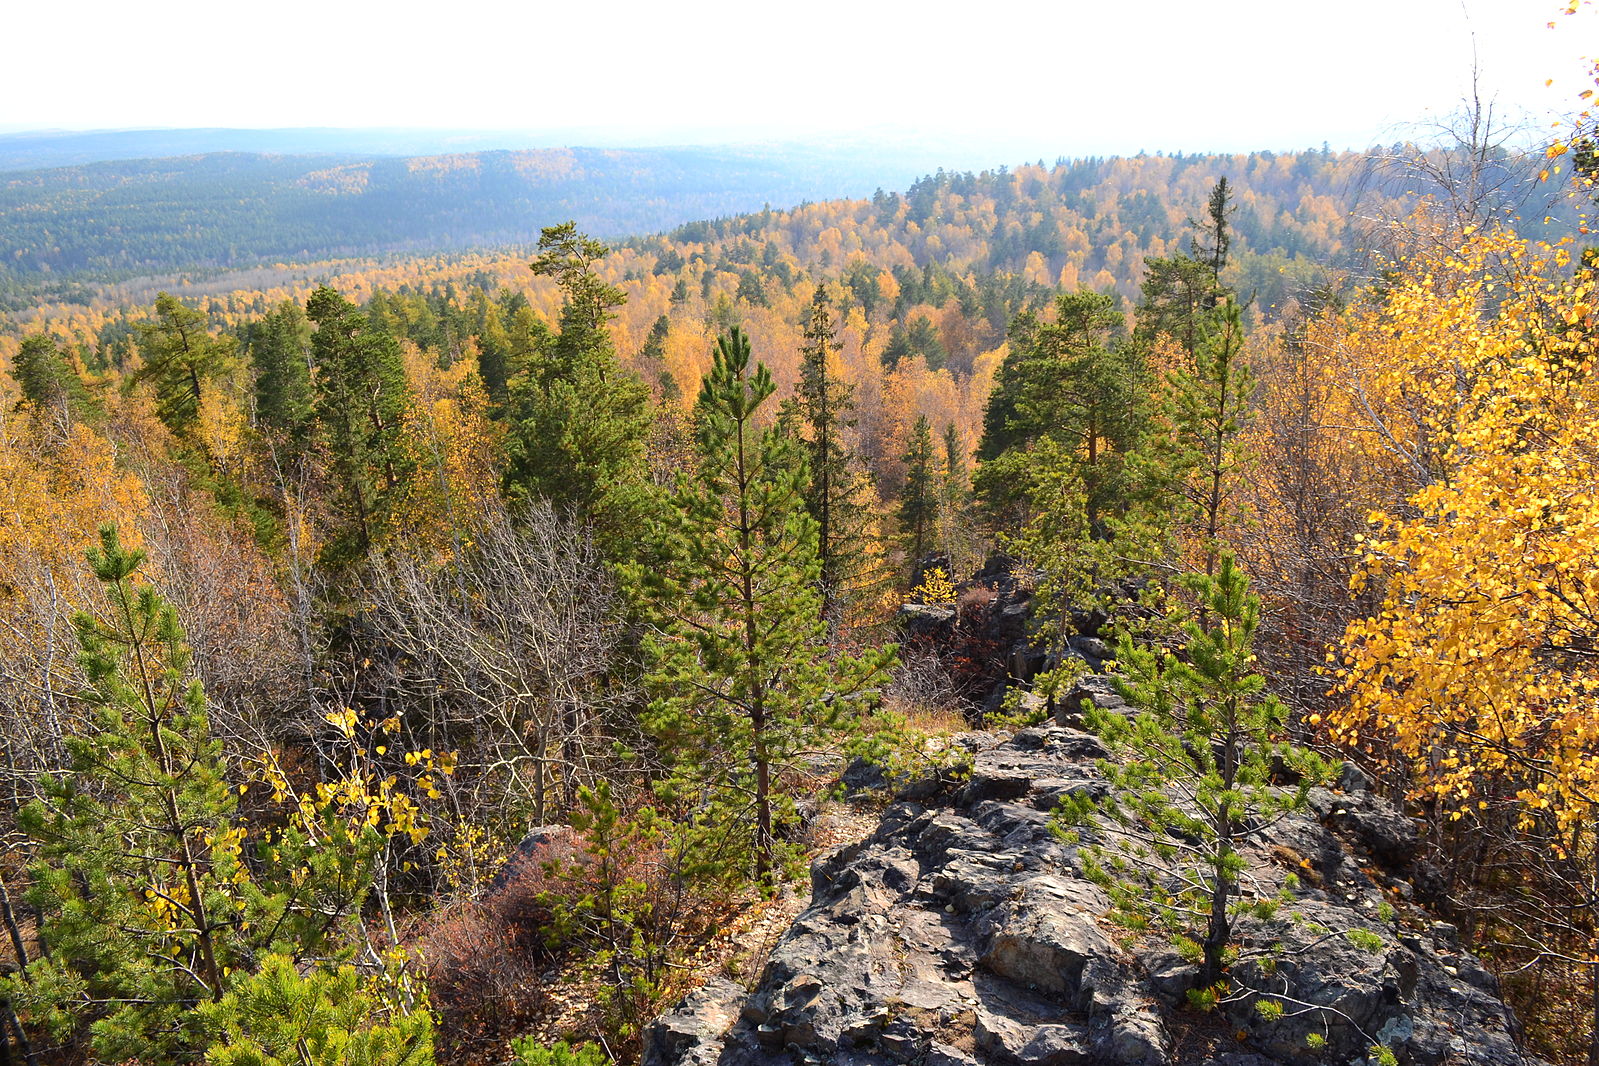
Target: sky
1034,78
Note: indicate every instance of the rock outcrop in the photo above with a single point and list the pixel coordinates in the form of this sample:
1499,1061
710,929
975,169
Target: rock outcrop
963,932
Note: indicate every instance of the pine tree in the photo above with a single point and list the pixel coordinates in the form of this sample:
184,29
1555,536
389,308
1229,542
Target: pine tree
180,357
739,650
1192,775
1075,383
279,1017
822,406
579,421
361,399
148,904
955,535
50,385
1207,405
1178,292
1174,295
918,502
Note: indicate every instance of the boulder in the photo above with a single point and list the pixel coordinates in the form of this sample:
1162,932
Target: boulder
926,621
691,1034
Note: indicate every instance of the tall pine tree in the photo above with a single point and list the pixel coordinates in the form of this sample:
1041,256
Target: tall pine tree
180,358
1207,405
1178,292
822,407
918,501
1075,383
740,667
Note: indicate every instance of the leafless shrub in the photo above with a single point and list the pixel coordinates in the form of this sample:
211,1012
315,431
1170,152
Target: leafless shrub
505,655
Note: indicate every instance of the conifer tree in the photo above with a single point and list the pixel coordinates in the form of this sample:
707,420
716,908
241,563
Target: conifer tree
1178,292
579,421
149,906
1173,297
279,1017
1207,405
654,349
1074,383
180,357
822,406
361,399
279,345
918,503
49,383
493,346
955,535
1192,775
1214,240
739,652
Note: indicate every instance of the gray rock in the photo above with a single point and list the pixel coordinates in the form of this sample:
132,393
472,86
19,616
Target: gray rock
1352,778
1379,827
692,1033
961,932
863,776
1097,689
925,620
1096,651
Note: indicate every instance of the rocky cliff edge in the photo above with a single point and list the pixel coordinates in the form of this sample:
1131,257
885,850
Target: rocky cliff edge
963,932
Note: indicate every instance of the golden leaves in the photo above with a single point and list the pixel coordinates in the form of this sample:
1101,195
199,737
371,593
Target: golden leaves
1471,667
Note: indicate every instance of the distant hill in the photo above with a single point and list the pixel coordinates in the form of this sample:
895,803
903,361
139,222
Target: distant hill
46,149
65,226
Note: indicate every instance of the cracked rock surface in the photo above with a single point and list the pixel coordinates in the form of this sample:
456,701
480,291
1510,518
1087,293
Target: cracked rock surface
962,932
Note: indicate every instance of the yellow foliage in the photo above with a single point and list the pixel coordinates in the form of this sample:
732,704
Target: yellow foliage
221,427
936,588
1478,666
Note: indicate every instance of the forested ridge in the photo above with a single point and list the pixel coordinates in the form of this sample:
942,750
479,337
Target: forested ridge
75,232
439,658
71,229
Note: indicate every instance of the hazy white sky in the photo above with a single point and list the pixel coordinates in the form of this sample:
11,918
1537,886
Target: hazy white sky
1063,77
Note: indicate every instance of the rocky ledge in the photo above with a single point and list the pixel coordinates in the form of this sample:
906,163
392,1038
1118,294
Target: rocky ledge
963,932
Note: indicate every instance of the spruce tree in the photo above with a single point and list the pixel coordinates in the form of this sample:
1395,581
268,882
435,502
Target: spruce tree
579,421
493,341
362,397
1214,242
918,502
279,345
955,536
740,668
822,406
654,349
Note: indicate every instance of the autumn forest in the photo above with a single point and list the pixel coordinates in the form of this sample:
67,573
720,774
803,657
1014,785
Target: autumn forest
431,635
